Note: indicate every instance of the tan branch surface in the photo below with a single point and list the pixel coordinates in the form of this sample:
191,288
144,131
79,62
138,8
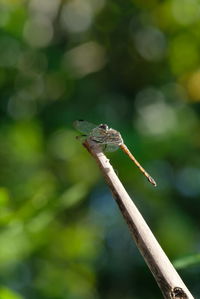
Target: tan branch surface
163,271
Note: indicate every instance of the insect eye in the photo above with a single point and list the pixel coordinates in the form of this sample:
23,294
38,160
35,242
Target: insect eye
103,126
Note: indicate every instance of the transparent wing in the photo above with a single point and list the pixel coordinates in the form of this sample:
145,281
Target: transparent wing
83,126
111,148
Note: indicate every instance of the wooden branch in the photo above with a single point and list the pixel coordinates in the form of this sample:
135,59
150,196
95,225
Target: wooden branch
169,281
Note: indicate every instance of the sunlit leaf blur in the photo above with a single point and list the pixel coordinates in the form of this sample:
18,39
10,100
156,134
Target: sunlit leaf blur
134,65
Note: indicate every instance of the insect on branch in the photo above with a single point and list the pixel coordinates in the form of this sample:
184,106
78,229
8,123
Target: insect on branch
110,138
167,278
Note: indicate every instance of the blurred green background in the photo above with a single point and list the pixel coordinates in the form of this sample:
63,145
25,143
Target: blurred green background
134,65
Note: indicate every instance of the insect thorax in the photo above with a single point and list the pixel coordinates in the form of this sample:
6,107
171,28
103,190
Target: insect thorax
102,134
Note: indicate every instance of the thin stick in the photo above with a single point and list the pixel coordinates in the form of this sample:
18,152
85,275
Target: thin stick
126,151
169,281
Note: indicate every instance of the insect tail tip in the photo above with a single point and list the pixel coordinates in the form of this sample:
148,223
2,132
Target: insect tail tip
152,181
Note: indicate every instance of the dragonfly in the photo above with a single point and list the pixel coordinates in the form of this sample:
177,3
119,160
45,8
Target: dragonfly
109,138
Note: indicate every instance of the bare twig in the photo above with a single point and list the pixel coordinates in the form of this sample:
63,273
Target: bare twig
169,281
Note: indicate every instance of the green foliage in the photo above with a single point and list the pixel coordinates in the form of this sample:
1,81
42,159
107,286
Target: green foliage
8,294
187,261
135,66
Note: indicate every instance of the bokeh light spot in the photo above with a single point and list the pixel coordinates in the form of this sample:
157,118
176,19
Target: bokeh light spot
38,32
186,11
155,116
84,59
150,43
77,16
48,8
184,54
193,86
